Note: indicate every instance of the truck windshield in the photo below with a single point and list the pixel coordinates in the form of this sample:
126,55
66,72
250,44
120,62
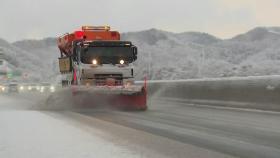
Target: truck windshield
107,55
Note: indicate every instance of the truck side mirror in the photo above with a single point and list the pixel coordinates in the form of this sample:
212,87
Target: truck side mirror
74,57
135,53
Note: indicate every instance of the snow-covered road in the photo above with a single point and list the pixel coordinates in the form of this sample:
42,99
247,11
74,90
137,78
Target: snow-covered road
26,133
35,134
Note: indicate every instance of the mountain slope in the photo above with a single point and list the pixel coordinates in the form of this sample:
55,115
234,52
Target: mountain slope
167,55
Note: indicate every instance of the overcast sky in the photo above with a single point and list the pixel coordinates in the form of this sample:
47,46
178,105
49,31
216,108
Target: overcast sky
22,19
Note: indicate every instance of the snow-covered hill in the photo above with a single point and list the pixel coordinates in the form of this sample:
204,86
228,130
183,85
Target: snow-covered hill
167,55
22,60
46,52
196,55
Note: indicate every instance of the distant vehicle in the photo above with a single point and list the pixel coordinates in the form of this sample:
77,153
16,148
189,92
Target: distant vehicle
33,87
23,87
2,88
46,87
13,88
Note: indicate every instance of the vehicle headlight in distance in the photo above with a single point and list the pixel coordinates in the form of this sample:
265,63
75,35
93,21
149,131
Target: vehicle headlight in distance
52,88
29,87
122,61
94,62
38,88
21,88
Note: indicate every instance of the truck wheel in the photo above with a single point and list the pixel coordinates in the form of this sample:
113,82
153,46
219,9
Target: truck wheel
64,83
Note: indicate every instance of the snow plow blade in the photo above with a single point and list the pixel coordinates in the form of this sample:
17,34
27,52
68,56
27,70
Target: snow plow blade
127,98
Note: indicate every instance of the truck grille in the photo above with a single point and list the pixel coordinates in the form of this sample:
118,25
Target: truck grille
101,79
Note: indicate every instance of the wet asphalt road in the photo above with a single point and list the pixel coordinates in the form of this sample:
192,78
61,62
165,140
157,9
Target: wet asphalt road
29,132
240,133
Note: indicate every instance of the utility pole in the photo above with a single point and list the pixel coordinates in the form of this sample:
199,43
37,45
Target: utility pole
149,66
201,62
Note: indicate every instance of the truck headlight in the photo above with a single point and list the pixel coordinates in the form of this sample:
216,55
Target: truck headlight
94,62
52,88
21,88
121,61
29,87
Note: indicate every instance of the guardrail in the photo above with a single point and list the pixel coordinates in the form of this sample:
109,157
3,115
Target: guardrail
242,92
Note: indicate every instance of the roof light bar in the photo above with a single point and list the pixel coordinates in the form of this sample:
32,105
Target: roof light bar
106,28
79,34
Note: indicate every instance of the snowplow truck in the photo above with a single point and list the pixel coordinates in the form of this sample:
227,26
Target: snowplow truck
96,63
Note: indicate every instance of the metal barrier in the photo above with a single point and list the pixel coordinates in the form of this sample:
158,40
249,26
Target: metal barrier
242,92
